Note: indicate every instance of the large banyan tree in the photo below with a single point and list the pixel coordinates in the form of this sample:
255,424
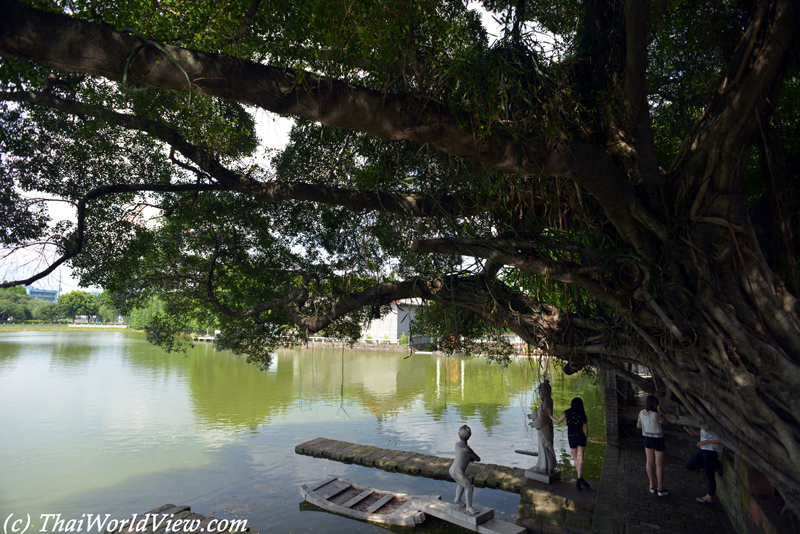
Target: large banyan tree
615,182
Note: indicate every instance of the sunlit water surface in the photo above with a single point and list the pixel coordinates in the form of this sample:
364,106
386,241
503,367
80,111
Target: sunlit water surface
105,423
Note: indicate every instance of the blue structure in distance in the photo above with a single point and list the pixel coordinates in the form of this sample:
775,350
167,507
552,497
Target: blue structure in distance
50,295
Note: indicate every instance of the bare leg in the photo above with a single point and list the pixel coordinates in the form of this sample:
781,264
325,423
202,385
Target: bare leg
659,470
575,460
649,466
579,460
578,467
464,487
459,493
469,491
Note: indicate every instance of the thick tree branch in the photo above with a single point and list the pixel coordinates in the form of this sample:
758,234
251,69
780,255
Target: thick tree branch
246,22
74,45
380,294
606,358
75,244
295,298
444,204
524,257
722,137
636,92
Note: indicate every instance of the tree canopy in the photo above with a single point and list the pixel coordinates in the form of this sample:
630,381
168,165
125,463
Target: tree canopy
13,304
616,182
17,304
78,303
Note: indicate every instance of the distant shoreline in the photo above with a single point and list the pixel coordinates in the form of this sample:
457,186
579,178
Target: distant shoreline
336,345
60,327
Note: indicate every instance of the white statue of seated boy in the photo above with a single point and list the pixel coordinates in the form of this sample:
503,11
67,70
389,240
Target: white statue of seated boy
464,455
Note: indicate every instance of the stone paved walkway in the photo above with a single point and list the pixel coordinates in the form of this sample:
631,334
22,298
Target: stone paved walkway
626,506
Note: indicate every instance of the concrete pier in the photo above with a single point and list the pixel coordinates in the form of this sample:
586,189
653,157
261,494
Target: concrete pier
411,463
541,507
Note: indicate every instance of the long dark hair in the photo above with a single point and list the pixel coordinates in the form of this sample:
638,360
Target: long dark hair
576,406
651,403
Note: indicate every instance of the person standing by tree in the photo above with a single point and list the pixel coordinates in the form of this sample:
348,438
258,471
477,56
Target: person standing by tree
650,421
706,458
578,434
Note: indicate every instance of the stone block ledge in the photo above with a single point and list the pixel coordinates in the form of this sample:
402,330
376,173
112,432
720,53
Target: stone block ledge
557,507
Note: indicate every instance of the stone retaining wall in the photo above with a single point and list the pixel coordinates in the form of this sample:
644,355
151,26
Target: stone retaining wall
751,502
543,510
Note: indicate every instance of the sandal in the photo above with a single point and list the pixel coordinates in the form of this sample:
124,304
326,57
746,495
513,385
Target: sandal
663,492
652,490
704,502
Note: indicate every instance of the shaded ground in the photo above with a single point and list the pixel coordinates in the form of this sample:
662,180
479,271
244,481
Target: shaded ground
626,506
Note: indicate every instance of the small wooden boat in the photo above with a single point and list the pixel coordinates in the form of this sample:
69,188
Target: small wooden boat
355,500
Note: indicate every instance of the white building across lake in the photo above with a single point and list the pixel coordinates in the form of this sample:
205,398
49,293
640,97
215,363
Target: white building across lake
391,327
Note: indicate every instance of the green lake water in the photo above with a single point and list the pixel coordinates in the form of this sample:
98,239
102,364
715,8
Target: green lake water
105,423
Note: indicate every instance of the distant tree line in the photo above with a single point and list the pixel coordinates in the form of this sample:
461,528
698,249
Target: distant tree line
15,302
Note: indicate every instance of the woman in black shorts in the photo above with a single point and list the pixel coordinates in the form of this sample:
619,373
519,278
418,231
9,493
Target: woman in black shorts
578,433
650,421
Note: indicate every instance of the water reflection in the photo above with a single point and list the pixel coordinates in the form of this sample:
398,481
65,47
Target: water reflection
8,353
226,393
104,421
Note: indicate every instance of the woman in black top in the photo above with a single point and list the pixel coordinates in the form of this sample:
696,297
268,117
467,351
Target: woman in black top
578,433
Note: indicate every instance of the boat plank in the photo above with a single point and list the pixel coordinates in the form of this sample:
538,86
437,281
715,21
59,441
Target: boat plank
329,491
358,498
368,504
379,503
321,483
